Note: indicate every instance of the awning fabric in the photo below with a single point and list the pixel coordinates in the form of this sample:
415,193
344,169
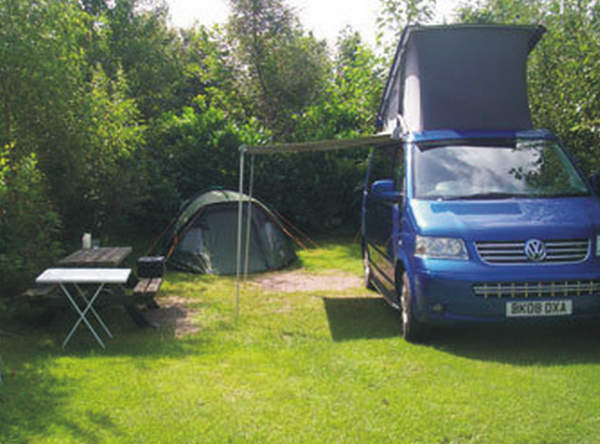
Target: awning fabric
323,145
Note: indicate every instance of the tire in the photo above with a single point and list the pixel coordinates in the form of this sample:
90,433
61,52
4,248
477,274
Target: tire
412,329
367,269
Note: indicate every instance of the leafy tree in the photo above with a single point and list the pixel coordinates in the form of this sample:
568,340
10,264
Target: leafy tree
110,175
40,76
348,105
502,11
395,15
211,72
321,190
282,68
40,70
94,7
139,42
77,122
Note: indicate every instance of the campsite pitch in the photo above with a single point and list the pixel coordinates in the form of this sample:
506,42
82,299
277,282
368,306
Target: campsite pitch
311,365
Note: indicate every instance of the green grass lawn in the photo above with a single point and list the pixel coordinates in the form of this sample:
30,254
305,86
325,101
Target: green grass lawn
319,366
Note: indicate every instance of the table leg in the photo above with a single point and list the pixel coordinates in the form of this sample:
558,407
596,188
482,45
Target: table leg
82,314
82,294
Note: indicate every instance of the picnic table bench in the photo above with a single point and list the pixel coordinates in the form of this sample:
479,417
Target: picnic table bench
42,294
145,290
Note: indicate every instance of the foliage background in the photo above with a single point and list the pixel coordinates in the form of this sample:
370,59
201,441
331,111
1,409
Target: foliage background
110,118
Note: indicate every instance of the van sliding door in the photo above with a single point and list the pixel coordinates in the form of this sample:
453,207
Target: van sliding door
379,214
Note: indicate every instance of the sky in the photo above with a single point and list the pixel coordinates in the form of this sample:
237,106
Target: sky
324,17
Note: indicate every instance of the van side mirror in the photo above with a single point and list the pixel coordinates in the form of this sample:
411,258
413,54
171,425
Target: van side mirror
595,181
384,190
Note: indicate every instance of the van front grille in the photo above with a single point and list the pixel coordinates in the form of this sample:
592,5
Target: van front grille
536,289
557,252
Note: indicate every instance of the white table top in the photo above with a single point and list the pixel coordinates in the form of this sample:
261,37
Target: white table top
84,276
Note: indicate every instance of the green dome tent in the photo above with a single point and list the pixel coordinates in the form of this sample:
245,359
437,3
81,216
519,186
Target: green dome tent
203,237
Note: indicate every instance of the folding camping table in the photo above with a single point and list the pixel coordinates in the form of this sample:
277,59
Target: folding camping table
85,276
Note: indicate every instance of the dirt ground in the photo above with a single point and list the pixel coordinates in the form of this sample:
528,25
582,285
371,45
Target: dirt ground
175,312
293,281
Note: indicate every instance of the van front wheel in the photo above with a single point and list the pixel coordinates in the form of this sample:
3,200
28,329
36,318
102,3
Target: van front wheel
412,329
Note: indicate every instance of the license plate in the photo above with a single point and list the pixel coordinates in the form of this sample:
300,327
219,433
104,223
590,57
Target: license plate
539,308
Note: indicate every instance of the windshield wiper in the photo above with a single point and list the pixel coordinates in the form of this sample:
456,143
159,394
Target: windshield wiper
493,195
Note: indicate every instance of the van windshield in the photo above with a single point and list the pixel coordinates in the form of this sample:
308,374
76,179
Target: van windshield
511,168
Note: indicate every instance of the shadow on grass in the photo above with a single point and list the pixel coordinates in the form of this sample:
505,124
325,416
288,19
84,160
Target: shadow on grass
540,344
175,337
33,401
361,318
129,339
523,345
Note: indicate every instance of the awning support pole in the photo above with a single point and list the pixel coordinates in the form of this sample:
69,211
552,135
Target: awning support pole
238,264
249,222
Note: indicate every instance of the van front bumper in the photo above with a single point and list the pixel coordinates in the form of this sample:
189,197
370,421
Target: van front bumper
449,292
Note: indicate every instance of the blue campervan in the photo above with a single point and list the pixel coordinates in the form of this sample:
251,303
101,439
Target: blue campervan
469,214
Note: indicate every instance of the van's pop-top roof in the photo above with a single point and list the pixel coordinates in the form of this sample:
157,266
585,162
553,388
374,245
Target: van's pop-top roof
459,77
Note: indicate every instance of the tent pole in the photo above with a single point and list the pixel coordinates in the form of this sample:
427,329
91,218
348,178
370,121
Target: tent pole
251,188
238,263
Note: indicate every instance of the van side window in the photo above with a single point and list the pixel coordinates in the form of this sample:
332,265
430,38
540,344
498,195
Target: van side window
382,165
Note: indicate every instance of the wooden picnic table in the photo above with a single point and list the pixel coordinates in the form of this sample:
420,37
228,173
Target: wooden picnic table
96,257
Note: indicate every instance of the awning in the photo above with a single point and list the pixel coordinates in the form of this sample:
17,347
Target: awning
378,140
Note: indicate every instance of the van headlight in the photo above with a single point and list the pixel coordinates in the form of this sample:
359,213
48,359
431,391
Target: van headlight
440,248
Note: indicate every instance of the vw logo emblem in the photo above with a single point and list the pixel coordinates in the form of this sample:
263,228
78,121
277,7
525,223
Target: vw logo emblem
535,250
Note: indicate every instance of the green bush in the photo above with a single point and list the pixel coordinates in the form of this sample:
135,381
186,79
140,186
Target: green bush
29,226
316,190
